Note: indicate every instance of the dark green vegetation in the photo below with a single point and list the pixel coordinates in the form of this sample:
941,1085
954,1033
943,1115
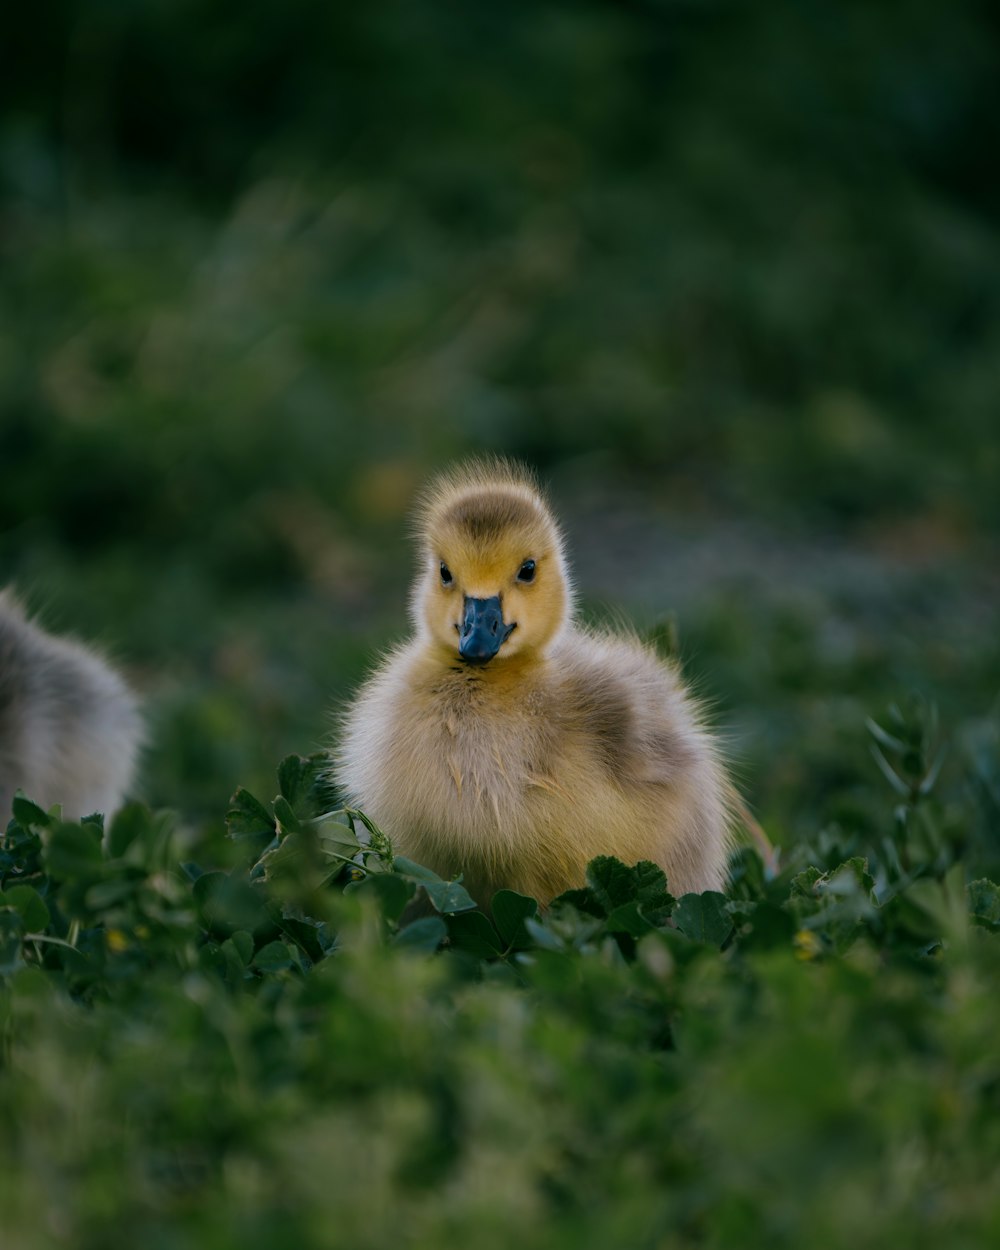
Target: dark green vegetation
729,274
273,1052
263,268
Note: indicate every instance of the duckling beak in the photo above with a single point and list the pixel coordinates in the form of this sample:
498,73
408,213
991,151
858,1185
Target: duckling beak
483,630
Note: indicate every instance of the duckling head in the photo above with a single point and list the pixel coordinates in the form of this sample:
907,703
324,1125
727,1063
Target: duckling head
492,581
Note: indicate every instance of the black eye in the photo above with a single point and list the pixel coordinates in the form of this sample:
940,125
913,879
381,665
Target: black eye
526,573
446,577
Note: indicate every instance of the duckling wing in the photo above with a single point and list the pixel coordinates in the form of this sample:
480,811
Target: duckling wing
631,710
646,774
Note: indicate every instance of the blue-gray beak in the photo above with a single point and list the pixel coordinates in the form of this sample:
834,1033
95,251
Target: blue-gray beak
483,630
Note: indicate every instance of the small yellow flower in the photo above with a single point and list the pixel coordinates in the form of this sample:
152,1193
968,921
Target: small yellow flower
117,940
807,944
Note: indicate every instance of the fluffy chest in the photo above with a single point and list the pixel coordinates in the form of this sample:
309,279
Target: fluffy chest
480,745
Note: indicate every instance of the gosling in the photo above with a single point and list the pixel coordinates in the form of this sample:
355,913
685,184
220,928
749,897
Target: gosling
505,741
70,728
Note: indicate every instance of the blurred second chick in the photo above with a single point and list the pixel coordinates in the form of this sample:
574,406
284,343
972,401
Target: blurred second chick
70,728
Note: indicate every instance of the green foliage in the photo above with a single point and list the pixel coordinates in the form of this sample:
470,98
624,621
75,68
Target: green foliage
261,271
321,1038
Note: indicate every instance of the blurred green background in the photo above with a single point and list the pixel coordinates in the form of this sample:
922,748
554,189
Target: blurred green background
727,274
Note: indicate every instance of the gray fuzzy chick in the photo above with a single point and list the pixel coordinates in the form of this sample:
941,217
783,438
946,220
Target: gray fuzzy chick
70,729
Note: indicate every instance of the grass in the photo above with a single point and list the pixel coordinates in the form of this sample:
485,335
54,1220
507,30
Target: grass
276,1043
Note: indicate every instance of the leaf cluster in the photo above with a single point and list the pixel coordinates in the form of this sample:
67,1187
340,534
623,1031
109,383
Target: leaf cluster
320,1038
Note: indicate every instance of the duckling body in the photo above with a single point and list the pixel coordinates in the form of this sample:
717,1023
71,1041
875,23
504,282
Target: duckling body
519,767
69,726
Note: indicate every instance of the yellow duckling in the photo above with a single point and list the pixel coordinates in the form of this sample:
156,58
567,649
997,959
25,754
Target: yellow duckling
508,743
